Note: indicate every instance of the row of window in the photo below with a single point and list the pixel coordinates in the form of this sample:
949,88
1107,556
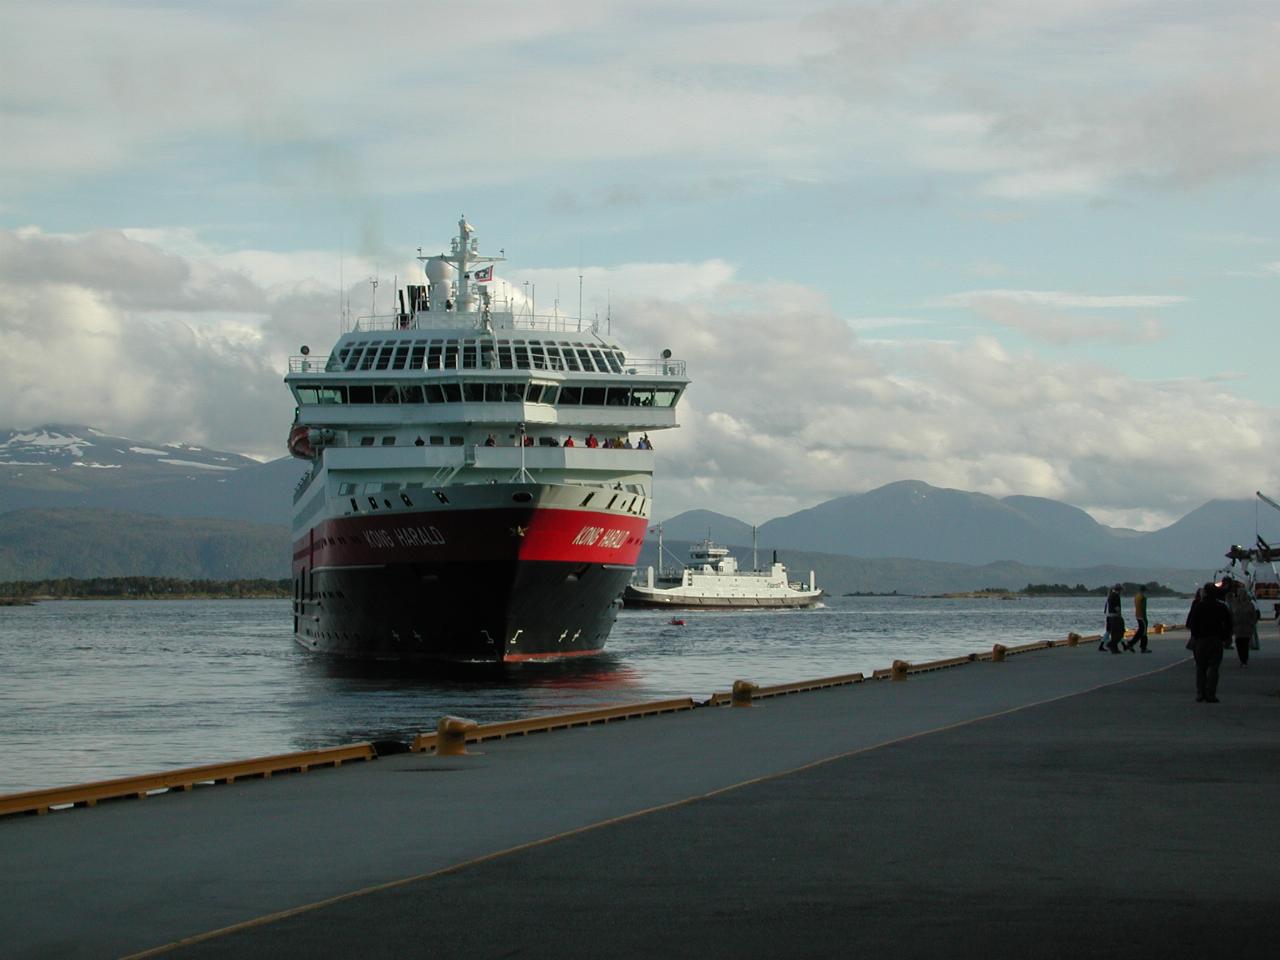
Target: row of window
456,392
484,354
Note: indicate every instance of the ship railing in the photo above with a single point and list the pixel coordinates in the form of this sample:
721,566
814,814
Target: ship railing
432,319
639,367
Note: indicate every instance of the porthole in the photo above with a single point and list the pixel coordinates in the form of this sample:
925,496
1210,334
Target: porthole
522,496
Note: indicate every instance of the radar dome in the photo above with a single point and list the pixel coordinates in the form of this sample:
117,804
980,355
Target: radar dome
440,270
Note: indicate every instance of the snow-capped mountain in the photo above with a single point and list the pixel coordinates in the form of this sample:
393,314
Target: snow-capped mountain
56,448
57,466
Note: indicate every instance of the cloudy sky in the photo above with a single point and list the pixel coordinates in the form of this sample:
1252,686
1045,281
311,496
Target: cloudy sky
1015,247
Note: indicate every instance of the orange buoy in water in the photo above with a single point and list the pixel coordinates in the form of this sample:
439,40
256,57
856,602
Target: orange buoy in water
677,622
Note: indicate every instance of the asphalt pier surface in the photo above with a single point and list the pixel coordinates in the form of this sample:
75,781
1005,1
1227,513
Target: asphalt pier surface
1064,803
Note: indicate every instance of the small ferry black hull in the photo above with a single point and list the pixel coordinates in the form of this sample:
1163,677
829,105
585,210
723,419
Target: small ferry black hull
634,599
483,612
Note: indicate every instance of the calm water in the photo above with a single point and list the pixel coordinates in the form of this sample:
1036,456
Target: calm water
97,689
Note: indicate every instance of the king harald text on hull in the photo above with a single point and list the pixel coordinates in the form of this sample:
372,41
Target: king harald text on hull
481,475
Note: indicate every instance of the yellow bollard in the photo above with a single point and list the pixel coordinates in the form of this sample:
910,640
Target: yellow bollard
899,670
742,693
451,736
1073,639
997,653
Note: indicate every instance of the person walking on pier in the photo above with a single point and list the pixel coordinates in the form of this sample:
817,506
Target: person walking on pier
1209,621
1115,621
1243,617
1140,622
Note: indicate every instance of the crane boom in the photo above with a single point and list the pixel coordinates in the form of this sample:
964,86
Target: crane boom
1265,499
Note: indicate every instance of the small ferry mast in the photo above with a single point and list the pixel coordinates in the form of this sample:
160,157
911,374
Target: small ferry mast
481,476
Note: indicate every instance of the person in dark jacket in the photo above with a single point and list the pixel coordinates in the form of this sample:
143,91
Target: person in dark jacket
1209,621
1243,617
1115,621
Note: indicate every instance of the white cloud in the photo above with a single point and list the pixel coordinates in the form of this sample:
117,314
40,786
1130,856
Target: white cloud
1056,298
788,406
1046,315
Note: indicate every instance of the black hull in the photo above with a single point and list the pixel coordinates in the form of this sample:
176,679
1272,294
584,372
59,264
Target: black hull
483,612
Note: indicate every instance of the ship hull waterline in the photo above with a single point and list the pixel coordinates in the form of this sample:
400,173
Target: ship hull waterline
632,599
491,586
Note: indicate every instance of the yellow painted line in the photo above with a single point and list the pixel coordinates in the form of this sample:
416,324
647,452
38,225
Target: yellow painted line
623,818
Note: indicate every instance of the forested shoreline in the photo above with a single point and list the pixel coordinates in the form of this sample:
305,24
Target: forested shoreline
142,588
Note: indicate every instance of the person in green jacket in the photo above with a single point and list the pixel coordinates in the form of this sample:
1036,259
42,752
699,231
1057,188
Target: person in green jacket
1140,615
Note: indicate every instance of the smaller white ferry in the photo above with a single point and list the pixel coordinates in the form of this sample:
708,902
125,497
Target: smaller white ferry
712,581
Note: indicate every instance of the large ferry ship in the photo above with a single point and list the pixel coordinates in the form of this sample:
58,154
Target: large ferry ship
481,476
712,581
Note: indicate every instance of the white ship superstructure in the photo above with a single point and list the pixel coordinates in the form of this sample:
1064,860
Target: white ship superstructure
481,475
713,581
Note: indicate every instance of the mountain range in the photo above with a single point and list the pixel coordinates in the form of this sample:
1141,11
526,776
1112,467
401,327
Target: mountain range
911,519
55,478
57,466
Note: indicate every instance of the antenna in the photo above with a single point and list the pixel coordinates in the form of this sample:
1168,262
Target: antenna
341,281
373,297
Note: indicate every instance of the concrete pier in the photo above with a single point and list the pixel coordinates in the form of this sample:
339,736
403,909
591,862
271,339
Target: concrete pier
1063,803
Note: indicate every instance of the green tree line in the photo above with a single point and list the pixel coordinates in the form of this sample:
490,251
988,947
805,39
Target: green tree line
1152,589
143,588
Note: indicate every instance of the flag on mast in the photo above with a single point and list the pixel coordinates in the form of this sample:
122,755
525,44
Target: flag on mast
484,275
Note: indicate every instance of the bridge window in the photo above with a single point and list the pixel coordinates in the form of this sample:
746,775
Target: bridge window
473,392
386,393
521,355
416,354
570,396
504,355
402,356
411,394
370,354
665,398
537,356
593,396
469,354
584,356
618,397
451,355
359,393
452,392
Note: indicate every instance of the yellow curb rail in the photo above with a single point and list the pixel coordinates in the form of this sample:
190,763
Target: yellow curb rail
184,778
932,665
479,733
804,686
